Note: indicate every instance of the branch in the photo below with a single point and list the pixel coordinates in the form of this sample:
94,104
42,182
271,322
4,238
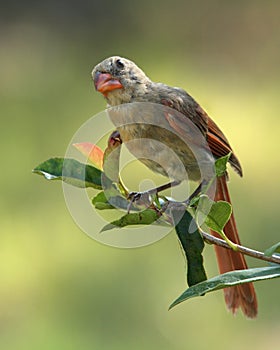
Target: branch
244,250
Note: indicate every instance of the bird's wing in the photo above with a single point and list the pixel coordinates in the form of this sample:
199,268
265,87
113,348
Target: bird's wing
218,143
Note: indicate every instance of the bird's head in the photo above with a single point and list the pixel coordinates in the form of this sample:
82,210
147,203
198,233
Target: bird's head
119,80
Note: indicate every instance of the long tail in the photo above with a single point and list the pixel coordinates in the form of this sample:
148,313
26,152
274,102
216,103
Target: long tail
244,295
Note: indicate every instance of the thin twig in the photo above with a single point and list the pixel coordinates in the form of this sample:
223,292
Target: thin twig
244,250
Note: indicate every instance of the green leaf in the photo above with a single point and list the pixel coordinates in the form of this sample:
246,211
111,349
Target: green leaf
228,279
100,202
221,165
145,217
272,250
219,215
275,249
214,214
116,201
70,171
99,198
104,206
192,244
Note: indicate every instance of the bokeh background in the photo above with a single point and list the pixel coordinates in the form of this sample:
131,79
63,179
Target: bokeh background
61,290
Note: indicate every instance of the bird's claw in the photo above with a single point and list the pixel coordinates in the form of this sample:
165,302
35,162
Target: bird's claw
134,196
142,198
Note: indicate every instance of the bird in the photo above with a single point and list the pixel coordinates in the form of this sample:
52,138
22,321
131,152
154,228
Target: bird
122,82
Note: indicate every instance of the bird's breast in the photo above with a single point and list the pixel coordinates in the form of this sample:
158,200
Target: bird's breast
161,151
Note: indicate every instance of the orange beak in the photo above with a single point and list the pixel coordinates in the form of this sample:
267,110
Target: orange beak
104,83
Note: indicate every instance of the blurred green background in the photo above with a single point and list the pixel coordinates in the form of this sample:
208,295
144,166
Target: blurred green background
62,290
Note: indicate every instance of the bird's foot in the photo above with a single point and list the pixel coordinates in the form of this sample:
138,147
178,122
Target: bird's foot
140,198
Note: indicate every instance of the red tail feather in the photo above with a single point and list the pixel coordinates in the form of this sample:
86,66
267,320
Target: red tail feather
244,295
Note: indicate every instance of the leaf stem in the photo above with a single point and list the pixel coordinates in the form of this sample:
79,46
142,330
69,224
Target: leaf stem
244,250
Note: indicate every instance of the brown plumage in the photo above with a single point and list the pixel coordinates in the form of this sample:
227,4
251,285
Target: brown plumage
121,81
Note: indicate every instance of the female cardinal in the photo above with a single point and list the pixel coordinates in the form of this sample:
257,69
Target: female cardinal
121,82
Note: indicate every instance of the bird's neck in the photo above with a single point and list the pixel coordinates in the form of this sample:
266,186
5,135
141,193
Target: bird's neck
121,96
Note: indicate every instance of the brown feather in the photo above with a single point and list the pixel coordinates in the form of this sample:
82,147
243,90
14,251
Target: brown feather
218,143
244,295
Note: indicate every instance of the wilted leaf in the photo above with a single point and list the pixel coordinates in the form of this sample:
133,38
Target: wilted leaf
92,152
192,244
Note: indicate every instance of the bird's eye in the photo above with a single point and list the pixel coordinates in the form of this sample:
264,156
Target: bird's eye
119,64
